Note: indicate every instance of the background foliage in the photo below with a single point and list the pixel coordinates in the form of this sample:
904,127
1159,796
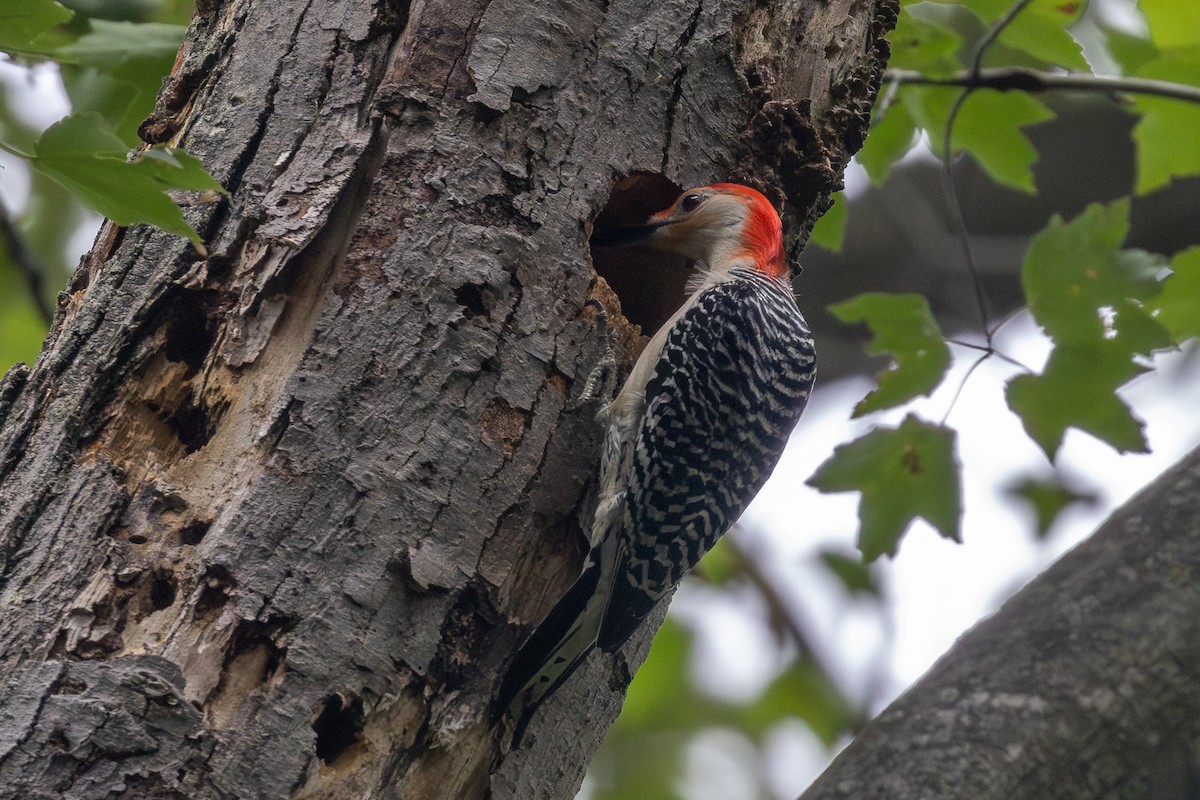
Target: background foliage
111,57
969,81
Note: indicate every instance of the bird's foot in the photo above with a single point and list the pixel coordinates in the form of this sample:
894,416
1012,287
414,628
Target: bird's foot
602,380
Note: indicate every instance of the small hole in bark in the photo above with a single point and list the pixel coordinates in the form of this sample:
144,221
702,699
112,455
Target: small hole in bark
338,725
70,687
193,533
137,538
256,643
190,423
162,589
189,335
215,587
649,284
470,297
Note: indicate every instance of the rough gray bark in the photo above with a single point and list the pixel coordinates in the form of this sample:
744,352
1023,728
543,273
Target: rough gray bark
272,521
1084,685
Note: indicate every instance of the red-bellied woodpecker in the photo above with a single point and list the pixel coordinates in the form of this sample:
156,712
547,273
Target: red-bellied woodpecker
692,435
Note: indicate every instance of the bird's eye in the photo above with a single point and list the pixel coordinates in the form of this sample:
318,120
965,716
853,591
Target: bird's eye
691,203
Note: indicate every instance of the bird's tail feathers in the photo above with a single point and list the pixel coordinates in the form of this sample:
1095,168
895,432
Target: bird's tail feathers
559,644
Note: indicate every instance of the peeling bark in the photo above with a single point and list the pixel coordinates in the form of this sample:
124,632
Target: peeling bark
274,520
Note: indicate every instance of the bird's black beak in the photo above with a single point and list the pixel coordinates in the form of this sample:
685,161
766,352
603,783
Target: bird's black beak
625,236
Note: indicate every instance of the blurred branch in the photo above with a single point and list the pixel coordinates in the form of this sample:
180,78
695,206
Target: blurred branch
781,608
28,264
1031,80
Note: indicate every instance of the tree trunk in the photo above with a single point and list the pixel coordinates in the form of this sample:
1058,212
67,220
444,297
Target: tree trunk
1085,685
274,520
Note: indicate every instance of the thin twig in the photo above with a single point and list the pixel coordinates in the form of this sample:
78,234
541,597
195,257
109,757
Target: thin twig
27,263
953,194
962,384
991,351
956,213
1012,315
1032,80
948,173
988,40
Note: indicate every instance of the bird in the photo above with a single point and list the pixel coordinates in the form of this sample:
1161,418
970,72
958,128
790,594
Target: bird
692,435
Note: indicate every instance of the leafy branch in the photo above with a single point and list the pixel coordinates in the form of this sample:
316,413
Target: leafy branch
1106,309
115,69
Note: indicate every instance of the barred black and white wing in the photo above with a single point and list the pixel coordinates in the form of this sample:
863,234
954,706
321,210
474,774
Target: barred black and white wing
730,384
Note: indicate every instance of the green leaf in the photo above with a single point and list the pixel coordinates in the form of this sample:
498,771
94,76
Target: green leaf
986,10
831,227
1048,498
657,686
1164,148
116,69
803,692
1092,299
1041,31
923,45
903,473
902,326
638,767
113,44
121,103
83,154
177,169
851,571
1085,291
1130,51
1077,390
1172,23
893,133
1177,307
23,21
130,10
988,127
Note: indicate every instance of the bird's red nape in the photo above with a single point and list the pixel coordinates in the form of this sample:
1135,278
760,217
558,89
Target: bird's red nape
763,235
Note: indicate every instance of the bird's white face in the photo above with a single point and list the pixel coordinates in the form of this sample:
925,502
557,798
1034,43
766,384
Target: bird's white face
705,225
718,227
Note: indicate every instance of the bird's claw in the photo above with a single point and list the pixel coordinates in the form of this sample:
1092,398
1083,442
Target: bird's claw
601,381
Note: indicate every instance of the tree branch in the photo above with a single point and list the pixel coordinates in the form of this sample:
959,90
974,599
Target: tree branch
27,264
780,607
1031,80
1085,684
